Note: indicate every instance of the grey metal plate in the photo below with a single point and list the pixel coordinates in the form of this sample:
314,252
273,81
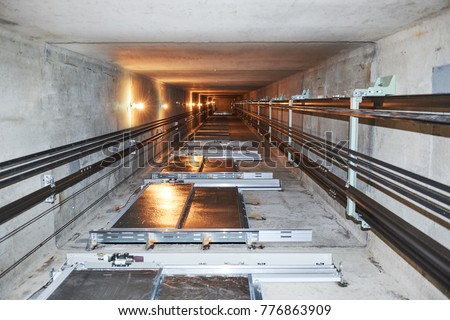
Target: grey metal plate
159,206
106,285
215,208
204,288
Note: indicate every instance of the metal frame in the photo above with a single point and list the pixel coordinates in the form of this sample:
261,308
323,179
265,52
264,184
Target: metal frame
151,236
148,182
223,150
258,267
244,181
382,87
241,184
353,146
212,175
237,155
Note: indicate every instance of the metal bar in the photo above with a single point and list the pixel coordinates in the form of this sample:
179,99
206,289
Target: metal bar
404,172
424,103
157,284
404,192
197,260
352,145
256,184
437,118
212,175
270,121
237,155
143,235
289,130
259,112
427,117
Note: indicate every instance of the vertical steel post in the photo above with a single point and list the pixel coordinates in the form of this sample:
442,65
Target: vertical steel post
270,121
289,130
352,145
259,114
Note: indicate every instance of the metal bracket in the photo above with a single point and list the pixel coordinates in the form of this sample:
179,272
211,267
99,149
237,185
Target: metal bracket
383,86
279,98
305,95
48,180
132,143
351,173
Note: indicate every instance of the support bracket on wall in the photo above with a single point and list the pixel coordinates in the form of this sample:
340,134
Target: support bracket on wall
305,95
383,86
48,180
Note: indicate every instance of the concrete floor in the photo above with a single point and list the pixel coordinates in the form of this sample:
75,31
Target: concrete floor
294,207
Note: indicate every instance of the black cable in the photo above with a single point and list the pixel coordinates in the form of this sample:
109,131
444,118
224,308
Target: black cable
6,271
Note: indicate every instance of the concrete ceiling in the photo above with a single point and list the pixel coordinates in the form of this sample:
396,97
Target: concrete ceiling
221,46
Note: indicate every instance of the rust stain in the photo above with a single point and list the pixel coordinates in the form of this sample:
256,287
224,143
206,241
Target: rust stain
420,33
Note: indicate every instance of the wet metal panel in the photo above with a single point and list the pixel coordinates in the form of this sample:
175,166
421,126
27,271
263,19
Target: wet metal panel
180,168
106,285
204,288
184,164
211,138
218,165
159,206
215,208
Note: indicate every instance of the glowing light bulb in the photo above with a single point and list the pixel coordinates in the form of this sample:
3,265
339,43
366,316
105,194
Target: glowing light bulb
139,106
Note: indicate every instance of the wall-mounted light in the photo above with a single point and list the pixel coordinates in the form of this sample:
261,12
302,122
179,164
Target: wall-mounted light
139,106
164,106
200,105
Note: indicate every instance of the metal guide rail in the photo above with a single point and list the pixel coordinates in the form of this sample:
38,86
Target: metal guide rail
154,276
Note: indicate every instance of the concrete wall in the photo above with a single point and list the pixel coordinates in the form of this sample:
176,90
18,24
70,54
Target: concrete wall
411,55
52,97
336,76
223,104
